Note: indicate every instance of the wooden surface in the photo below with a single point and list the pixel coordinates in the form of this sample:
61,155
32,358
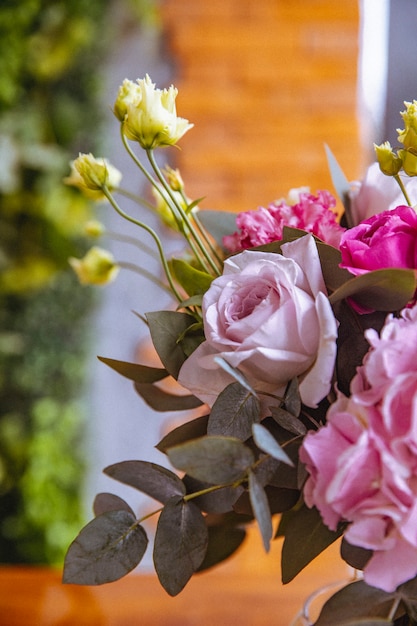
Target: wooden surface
244,592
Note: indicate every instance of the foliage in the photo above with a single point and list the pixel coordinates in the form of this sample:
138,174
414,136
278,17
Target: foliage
51,53
248,456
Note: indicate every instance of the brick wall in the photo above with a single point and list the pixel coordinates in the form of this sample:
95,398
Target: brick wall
266,83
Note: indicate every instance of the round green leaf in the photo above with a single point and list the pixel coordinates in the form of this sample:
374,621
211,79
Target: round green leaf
109,547
212,459
180,546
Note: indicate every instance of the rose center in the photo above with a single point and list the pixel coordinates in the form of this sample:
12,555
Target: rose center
245,302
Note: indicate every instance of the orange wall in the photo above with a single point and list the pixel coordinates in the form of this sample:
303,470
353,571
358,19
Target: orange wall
266,83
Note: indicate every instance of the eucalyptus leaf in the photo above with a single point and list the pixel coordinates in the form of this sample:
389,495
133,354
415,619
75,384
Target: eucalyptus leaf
166,328
288,421
105,502
154,480
234,412
340,183
213,459
267,443
330,259
134,371
292,399
189,430
223,541
218,224
109,547
382,290
215,502
355,556
180,546
235,373
306,536
161,400
279,500
260,509
193,281
355,602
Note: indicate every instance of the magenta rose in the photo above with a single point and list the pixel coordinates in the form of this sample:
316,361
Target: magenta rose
386,240
312,213
269,316
377,193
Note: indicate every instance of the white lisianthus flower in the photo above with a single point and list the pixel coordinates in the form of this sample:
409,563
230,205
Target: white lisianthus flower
97,267
90,175
149,114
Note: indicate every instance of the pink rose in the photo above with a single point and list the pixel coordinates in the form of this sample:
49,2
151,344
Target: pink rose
378,193
311,213
269,316
382,241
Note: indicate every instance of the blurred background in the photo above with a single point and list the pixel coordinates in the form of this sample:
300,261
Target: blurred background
267,83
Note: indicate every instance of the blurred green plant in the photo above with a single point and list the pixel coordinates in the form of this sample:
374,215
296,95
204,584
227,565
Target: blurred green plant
52,53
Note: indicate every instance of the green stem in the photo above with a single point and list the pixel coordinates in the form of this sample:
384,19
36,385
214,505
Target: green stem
403,189
183,215
135,198
394,608
143,272
206,238
135,242
153,234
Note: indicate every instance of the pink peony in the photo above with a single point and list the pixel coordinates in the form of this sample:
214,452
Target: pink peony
378,193
363,464
393,353
382,241
311,213
269,316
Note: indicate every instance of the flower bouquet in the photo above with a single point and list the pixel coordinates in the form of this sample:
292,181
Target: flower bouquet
293,331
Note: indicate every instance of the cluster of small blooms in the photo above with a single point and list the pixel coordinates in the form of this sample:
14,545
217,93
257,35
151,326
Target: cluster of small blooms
312,213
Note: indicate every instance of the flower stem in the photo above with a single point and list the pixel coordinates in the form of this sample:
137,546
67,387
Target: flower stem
208,261
403,189
394,608
143,272
152,233
132,240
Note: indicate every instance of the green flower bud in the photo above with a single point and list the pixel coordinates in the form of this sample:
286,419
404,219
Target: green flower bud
94,228
98,267
409,160
389,162
174,178
90,175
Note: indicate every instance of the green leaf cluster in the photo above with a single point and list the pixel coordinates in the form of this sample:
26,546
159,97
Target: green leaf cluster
231,470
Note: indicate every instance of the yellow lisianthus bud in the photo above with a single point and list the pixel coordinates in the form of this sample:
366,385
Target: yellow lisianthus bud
409,162
174,178
97,267
408,136
90,175
389,162
163,209
151,117
94,228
